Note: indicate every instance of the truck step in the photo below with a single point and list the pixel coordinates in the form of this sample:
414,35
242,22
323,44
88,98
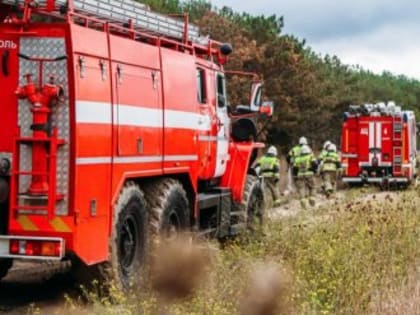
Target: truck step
237,229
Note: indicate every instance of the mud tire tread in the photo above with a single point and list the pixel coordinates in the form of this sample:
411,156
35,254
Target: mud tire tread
159,194
252,186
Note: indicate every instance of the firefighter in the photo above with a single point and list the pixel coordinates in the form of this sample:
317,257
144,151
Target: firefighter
291,157
329,167
268,167
306,165
324,150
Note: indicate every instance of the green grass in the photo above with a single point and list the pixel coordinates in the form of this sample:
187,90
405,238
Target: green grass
345,259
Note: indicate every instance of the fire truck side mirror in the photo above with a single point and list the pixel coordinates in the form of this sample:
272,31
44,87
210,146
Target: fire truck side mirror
267,108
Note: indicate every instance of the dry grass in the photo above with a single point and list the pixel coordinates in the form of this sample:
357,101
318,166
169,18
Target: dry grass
402,299
267,292
356,256
179,268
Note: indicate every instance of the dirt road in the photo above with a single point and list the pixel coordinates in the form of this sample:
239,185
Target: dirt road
39,284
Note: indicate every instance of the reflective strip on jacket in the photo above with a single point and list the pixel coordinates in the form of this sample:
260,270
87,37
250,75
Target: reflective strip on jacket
323,154
269,165
294,153
330,162
304,164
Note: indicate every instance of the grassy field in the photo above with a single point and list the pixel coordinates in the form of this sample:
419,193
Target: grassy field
359,256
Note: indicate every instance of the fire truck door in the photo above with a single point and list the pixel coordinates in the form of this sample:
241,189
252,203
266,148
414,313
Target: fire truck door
223,126
138,114
376,143
207,112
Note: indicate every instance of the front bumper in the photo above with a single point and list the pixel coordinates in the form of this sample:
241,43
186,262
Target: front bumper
376,180
5,244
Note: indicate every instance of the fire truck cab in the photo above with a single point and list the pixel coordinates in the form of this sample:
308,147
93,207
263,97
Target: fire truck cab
378,145
115,128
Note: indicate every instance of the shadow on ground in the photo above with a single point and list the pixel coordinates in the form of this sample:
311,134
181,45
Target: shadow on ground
17,296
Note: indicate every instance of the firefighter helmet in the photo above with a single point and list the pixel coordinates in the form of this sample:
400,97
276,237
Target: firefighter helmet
326,144
306,149
332,147
303,141
272,150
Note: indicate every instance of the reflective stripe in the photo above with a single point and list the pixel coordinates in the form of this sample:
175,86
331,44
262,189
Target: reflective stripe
137,159
371,134
186,120
26,223
134,159
138,116
378,135
379,164
93,112
93,160
210,138
59,225
88,112
180,158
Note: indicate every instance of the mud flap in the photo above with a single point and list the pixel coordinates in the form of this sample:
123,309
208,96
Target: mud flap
4,205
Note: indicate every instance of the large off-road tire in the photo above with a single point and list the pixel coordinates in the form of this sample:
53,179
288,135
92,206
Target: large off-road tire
252,205
127,245
168,207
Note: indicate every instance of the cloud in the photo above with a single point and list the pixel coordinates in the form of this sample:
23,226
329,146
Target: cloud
377,34
390,47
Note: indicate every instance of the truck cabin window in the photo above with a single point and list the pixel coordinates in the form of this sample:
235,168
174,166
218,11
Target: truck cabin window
221,91
201,86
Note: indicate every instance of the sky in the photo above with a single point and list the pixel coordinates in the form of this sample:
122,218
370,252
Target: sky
376,34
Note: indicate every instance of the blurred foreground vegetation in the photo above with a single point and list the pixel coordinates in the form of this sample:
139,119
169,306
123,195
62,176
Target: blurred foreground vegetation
356,256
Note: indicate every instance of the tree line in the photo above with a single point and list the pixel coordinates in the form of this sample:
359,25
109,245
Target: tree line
311,91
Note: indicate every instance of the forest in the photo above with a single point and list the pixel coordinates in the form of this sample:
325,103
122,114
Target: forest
310,91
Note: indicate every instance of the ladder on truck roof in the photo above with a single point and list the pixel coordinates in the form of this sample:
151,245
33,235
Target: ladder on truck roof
125,12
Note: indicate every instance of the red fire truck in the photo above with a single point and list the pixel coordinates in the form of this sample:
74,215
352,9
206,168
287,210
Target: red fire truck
378,145
115,126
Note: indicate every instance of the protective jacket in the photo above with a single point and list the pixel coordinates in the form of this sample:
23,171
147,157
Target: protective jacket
306,165
269,166
293,154
323,154
330,162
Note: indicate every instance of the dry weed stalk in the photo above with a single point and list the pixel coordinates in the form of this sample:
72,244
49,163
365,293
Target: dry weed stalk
267,293
178,268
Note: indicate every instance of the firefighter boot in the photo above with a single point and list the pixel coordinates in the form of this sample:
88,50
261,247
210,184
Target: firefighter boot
312,202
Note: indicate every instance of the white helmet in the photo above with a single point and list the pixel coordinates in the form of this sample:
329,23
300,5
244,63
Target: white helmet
305,149
332,147
272,150
326,144
303,141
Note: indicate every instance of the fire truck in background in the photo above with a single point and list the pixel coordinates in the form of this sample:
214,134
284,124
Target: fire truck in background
379,145
115,126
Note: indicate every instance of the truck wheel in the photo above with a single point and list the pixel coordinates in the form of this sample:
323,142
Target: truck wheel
252,205
5,265
168,207
128,242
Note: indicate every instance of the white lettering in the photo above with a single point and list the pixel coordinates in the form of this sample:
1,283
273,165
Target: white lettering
7,44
